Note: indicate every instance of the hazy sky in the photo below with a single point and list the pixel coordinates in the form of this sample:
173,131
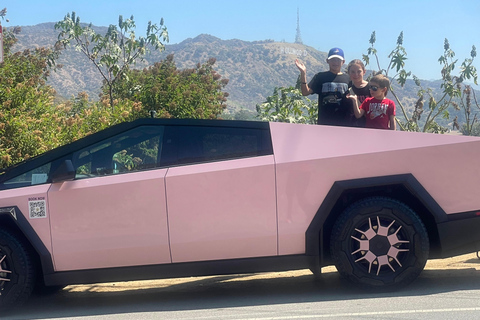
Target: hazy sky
323,24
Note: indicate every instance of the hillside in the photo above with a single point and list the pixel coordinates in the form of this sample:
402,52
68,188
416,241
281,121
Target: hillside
77,73
254,69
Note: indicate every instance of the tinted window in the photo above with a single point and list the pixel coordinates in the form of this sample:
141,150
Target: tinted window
195,144
134,150
36,176
139,149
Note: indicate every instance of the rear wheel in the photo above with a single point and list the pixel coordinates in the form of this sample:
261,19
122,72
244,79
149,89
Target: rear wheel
379,242
17,272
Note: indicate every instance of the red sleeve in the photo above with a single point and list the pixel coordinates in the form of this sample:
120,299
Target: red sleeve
364,104
391,109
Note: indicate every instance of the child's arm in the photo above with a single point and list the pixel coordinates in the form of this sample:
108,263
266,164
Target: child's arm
393,123
303,78
358,112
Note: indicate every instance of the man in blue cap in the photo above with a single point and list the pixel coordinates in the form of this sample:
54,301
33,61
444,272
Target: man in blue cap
332,87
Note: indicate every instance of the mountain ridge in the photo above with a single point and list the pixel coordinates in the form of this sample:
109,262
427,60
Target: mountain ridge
254,69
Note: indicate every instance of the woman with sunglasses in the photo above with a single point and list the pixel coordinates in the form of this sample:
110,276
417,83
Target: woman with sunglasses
378,110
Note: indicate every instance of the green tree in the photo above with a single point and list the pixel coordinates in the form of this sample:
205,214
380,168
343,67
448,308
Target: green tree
244,114
474,129
80,117
26,102
172,93
469,106
112,53
467,103
438,105
30,122
288,105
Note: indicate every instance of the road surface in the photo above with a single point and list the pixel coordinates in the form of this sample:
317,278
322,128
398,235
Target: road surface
447,289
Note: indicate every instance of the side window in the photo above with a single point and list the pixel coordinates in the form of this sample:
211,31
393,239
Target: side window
134,150
197,144
36,176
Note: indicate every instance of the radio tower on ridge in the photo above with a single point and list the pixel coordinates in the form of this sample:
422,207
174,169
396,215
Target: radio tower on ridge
298,36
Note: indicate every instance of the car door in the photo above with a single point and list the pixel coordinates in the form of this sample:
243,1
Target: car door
220,193
114,213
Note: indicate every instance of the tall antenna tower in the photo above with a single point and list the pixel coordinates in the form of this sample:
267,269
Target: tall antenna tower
298,36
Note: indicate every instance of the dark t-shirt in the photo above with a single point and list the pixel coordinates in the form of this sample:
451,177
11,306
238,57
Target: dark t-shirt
333,107
362,94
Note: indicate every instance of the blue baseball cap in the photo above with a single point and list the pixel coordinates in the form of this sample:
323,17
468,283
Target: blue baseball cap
336,53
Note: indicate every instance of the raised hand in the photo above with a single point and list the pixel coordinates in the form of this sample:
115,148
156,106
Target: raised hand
300,66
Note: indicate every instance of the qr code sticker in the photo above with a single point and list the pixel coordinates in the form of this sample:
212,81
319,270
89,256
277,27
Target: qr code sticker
37,209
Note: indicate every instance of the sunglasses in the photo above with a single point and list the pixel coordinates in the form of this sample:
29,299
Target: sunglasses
374,88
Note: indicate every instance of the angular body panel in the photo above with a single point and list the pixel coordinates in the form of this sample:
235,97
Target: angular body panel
311,158
222,210
21,198
109,221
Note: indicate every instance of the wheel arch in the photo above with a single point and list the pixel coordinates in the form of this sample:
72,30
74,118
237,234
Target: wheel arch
14,221
404,187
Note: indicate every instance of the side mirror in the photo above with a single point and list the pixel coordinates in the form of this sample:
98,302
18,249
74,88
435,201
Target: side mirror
64,172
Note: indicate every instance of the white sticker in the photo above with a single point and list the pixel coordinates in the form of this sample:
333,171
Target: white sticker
38,178
37,208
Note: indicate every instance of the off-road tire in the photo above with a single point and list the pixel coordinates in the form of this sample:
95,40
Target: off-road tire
379,243
17,271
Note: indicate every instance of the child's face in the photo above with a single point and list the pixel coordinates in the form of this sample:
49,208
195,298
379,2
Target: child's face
335,64
356,73
376,91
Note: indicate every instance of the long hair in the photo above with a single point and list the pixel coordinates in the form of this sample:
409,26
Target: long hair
356,62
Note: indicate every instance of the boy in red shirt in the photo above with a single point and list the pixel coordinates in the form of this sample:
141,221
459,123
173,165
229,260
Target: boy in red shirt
379,111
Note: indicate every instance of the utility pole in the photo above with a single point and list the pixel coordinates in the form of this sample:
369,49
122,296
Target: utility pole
298,36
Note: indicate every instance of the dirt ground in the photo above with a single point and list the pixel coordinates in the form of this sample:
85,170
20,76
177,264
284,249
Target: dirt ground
468,263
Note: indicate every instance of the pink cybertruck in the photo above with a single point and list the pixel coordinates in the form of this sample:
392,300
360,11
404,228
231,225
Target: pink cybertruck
159,198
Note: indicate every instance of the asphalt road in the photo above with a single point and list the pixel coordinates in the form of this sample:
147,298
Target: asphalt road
447,289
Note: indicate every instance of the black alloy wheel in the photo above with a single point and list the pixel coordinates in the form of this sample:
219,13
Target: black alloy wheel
379,242
17,272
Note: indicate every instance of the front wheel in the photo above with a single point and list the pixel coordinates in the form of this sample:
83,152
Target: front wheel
17,272
379,242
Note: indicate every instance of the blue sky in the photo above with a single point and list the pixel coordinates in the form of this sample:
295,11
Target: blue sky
323,24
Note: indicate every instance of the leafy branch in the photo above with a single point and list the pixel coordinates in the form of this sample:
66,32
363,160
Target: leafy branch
287,105
113,53
451,85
